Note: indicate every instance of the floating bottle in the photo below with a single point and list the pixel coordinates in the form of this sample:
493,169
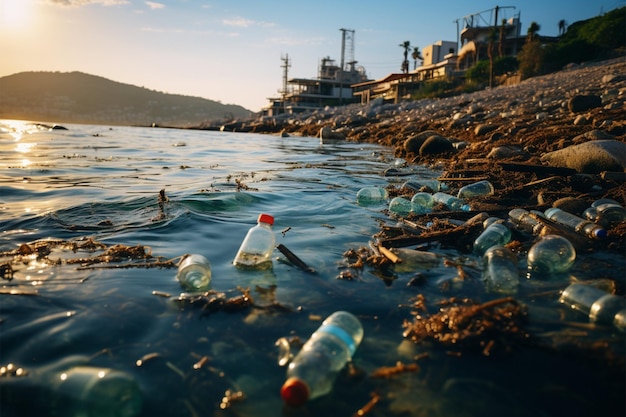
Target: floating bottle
400,206
599,305
72,388
412,260
606,212
500,270
578,224
551,255
194,273
371,195
422,185
477,189
496,234
450,201
312,372
257,247
422,203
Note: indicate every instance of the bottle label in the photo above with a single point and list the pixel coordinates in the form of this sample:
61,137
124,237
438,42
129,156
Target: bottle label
341,334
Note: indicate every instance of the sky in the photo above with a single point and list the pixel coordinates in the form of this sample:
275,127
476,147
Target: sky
231,50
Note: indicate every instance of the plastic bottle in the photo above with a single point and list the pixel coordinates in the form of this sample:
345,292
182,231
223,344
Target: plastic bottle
500,270
313,371
194,273
578,224
73,388
421,185
422,203
552,254
599,305
257,247
496,234
370,195
450,201
523,220
619,320
477,189
606,213
400,206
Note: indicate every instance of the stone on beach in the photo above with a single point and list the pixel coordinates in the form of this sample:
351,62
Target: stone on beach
591,157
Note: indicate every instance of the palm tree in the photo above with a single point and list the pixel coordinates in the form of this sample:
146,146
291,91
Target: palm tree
405,64
416,55
562,26
532,31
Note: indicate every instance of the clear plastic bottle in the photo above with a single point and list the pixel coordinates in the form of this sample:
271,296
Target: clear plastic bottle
371,195
73,388
496,234
400,206
500,270
578,224
422,203
599,305
313,371
551,255
606,214
524,221
450,201
619,320
477,189
257,247
421,185
194,273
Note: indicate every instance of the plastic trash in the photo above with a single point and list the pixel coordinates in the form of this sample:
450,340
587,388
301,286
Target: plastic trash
451,202
606,213
400,206
496,234
312,372
421,185
552,254
578,224
422,203
477,189
257,246
194,273
370,195
599,305
524,221
500,270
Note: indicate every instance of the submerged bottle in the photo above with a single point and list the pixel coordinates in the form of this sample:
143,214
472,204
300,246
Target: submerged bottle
421,185
422,203
450,201
578,224
370,195
400,206
194,273
257,247
551,255
477,189
500,270
313,371
496,234
599,305
73,388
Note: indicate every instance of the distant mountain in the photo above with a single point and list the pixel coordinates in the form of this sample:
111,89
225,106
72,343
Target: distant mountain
75,97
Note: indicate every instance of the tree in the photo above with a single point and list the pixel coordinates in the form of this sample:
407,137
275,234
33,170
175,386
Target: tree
416,55
492,38
405,64
532,31
501,39
531,59
562,27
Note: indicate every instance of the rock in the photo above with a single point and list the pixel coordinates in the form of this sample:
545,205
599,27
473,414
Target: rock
590,157
484,129
414,143
327,134
504,152
581,103
435,144
581,120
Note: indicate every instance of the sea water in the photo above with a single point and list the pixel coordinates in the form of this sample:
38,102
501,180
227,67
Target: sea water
176,192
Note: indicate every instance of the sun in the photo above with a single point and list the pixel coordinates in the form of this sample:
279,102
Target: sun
15,14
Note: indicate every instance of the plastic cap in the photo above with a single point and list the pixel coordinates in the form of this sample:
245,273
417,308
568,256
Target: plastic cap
266,218
599,233
294,392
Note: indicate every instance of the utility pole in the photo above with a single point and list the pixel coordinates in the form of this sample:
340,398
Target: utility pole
349,35
285,67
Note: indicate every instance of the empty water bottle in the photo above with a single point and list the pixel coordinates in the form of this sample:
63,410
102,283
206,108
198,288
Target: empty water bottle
496,234
607,213
400,206
619,320
257,247
422,203
477,189
194,273
313,371
578,224
523,220
597,304
450,201
72,388
424,185
370,195
500,270
551,255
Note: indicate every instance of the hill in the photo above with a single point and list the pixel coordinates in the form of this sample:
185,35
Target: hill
75,97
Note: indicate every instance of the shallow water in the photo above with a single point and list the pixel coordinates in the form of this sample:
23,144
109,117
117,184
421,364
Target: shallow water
103,183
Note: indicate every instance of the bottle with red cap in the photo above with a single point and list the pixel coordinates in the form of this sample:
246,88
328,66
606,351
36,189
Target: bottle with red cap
257,247
312,372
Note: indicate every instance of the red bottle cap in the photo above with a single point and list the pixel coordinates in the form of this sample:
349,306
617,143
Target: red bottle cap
266,218
294,392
